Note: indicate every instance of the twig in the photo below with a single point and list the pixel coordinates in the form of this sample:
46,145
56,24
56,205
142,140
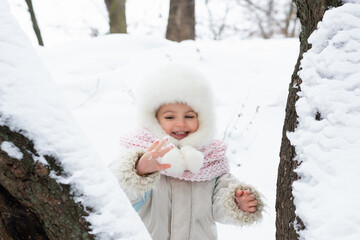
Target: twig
91,96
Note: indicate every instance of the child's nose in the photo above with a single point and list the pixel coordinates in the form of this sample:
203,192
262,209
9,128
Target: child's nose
181,123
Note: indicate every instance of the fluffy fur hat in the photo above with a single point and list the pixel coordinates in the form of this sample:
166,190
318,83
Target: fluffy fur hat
176,83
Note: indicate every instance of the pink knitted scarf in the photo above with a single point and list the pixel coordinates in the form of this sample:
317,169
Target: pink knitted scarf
215,161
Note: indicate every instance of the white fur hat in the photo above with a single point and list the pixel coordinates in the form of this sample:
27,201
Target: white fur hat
175,83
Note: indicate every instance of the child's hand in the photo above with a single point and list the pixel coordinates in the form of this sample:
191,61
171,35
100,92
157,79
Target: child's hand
148,162
246,201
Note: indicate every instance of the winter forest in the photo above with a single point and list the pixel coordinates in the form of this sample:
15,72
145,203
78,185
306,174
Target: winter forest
286,76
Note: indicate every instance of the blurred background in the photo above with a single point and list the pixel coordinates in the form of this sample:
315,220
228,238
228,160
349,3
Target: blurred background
50,22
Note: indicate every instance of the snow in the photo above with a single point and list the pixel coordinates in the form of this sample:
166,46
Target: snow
95,79
30,101
11,150
98,87
326,196
64,20
67,20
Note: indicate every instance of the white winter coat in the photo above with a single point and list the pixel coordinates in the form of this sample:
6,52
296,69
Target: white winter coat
174,209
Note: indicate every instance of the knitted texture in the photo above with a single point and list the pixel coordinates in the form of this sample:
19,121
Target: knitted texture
214,165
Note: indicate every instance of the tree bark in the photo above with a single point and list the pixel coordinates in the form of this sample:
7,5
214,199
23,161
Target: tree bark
310,12
117,15
32,204
34,22
181,21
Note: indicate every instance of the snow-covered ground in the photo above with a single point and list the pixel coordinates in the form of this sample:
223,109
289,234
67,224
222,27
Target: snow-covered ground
30,101
97,77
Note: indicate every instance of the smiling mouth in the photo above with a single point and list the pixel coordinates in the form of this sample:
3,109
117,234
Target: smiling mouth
180,135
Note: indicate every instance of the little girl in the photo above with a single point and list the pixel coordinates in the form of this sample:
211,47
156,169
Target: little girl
173,171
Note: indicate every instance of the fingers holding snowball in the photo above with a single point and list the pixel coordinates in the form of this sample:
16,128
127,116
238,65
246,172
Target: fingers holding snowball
148,163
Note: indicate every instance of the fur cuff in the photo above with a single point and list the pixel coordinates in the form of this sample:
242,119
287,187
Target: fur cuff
128,177
232,211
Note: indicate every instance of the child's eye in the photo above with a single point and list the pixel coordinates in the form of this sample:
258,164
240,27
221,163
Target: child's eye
189,116
169,117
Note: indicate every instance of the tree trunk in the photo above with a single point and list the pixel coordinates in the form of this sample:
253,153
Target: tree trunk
310,12
181,21
34,22
117,15
32,204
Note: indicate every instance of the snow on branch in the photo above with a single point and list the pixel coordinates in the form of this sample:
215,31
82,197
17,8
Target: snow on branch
30,102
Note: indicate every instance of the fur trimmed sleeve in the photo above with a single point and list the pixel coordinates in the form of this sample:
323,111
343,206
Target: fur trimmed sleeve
129,180
224,206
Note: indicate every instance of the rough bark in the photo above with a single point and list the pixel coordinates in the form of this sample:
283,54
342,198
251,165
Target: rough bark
181,21
117,15
34,22
310,12
32,204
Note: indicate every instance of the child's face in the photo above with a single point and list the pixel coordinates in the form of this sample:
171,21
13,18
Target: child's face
177,120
